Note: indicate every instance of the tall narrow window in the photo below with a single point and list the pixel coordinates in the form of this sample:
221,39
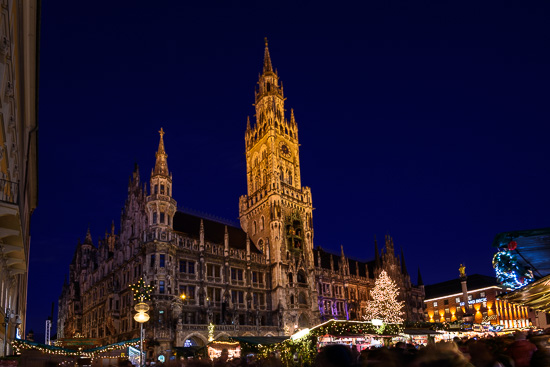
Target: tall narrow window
156,189
153,260
162,189
154,217
162,260
161,217
183,266
191,267
161,286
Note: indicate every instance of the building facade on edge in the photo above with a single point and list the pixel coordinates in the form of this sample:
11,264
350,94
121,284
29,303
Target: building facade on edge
19,32
473,299
264,278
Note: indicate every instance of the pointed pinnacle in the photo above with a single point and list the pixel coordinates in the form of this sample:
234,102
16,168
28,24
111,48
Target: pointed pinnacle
161,166
268,68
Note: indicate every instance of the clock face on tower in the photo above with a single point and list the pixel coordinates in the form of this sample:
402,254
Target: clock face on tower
285,151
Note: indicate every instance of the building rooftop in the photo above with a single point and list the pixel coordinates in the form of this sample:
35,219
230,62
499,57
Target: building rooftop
454,286
214,231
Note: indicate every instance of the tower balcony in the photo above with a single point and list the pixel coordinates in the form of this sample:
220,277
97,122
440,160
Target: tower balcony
161,197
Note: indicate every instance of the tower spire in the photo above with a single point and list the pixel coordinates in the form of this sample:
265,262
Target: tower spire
268,68
161,165
420,282
376,254
403,265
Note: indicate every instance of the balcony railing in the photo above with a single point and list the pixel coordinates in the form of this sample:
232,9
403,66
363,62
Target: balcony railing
9,192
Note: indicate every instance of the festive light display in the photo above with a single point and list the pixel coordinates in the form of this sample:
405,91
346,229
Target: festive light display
384,304
211,328
302,351
509,272
19,344
142,291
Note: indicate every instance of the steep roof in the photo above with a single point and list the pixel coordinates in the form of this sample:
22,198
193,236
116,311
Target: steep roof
214,232
325,262
453,286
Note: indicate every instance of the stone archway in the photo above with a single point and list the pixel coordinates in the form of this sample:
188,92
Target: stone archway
194,339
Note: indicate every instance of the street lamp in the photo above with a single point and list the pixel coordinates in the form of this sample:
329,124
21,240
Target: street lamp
141,316
141,293
9,315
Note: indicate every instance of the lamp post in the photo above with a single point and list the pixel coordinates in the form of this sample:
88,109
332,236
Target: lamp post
141,316
8,316
142,293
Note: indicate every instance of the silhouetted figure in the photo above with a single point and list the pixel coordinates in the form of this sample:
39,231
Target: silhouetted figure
336,355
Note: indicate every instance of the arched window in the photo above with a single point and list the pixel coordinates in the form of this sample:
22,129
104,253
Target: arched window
302,299
290,278
262,223
154,217
302,277
292,299
254,227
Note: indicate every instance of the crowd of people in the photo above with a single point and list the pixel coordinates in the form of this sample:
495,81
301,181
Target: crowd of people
520,350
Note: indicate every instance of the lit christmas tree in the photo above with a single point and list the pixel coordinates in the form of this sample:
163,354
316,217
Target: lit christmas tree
384,304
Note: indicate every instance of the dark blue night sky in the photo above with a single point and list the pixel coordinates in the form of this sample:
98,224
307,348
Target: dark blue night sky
425,120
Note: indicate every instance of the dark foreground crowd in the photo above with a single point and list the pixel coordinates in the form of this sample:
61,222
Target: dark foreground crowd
518,351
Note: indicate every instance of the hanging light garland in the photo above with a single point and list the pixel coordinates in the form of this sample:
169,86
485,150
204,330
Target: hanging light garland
509,272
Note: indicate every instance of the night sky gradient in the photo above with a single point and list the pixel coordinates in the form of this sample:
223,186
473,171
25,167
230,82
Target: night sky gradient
427,120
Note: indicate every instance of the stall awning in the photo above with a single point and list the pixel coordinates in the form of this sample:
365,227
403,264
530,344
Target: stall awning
263,340
420,332
535,295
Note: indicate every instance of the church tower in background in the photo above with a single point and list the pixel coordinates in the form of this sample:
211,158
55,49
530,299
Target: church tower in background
277,211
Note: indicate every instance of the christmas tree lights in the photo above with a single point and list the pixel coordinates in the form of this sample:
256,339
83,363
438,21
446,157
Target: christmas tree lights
384,304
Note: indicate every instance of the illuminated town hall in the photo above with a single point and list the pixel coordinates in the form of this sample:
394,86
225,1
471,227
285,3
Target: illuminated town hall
265,278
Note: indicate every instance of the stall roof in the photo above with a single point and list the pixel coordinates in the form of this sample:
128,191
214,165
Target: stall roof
533,248
263,340
535,295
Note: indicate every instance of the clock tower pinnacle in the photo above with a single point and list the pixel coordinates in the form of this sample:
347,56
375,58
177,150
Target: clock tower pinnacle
276,213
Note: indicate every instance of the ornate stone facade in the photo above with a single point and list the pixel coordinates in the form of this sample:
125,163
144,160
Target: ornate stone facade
265,278
19,40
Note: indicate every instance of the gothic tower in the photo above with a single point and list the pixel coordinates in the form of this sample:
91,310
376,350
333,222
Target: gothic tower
161,207
277,211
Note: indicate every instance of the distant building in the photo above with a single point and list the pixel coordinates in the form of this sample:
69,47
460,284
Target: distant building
262,278
473,299
18,157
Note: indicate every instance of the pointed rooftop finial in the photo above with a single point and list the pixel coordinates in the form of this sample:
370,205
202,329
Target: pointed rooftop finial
342,251
292,120
376,253
161,165
420,282
268,68
247,123
88,239
403,265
